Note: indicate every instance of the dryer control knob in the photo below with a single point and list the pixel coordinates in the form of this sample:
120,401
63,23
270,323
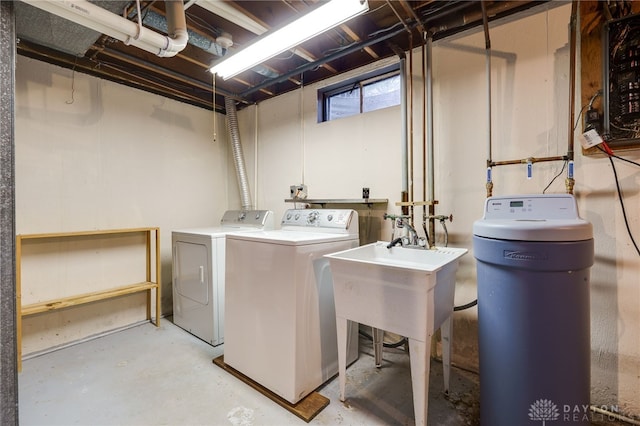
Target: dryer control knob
313,216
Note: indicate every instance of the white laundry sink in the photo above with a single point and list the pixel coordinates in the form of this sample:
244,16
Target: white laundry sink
401,257
407,291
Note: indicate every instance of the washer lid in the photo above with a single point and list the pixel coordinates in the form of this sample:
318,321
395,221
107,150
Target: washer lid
539,217
213,232
291,238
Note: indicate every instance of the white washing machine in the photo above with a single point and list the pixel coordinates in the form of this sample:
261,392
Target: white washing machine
198,272
279,307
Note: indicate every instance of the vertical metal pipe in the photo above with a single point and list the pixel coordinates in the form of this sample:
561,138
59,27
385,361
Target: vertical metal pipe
8,355
429,113
425,212
403,130
487,45
572,80
410,147
569,180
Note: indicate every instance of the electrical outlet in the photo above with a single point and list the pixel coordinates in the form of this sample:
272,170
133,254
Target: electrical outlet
298,191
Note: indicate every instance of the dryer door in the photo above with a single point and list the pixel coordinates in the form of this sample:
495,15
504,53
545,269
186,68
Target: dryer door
192,275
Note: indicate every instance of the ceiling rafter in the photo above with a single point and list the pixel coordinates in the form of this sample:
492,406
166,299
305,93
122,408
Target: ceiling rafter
383,32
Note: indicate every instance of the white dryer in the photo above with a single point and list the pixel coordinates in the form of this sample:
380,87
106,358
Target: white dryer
279,307
198,272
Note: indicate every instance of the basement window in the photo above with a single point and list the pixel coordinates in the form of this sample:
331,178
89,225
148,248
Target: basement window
369,92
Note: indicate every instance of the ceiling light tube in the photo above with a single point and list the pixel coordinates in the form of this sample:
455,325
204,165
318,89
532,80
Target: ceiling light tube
313,23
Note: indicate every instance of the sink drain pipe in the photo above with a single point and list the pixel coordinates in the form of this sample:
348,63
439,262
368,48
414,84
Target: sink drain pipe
238,158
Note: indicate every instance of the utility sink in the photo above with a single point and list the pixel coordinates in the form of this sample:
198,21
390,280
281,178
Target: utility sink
407,291
403,290
419,259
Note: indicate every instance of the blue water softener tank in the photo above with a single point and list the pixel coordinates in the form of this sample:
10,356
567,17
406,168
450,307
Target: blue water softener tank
534,255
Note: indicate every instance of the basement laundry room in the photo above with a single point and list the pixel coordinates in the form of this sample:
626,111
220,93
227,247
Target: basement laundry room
333,212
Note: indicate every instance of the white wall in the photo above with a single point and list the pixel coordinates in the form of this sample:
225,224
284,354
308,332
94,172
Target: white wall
107,156
530,75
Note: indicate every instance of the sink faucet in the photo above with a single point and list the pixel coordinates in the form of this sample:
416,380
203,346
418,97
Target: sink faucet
413,240
412,233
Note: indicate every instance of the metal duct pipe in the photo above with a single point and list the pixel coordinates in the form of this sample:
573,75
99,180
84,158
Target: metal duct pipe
98,19
158,22
217,47
238,158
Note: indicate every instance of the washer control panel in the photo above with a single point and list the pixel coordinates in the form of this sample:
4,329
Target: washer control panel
322,218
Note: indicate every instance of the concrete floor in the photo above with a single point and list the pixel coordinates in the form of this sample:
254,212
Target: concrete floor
164,376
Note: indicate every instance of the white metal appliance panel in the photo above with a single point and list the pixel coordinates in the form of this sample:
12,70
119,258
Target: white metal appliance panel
279,330
291,238
219,291
198,272
192,272
195,280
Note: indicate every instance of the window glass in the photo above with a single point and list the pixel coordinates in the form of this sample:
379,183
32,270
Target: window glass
381,94
369,92
343,104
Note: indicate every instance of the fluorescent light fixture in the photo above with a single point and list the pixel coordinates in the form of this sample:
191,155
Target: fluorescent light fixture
313,23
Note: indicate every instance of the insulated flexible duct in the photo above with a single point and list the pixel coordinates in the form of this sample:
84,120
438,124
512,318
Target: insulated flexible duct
238,158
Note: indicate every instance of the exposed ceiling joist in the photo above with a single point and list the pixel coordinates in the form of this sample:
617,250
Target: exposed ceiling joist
220,27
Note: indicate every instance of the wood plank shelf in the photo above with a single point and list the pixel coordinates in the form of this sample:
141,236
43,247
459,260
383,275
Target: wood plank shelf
80,299
149,286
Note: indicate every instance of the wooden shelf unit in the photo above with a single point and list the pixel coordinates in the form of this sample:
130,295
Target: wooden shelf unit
66,302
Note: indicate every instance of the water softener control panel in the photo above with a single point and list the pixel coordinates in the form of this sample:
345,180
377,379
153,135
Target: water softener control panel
540,217
531,207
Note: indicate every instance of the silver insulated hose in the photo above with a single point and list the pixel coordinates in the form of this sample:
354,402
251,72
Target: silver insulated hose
238,158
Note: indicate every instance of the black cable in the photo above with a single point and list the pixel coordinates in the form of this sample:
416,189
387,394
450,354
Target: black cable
622,159
467,306
575,126
624,211
555,177
400,342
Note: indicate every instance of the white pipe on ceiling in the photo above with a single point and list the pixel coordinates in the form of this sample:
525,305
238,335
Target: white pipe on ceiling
98,19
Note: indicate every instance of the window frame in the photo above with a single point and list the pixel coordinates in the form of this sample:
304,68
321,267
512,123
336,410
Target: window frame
359,81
